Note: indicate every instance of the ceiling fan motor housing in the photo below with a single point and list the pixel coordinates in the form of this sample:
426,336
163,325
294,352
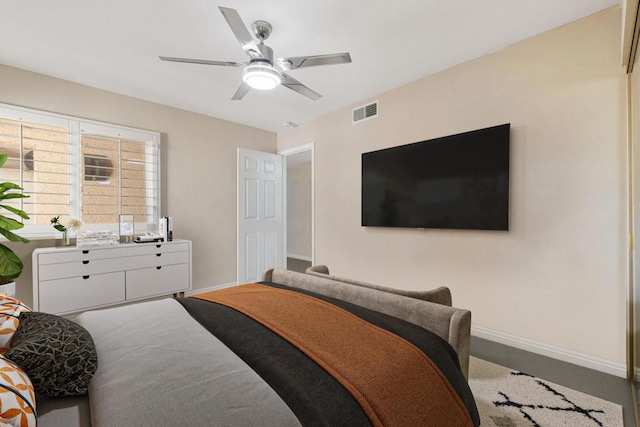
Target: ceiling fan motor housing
262,29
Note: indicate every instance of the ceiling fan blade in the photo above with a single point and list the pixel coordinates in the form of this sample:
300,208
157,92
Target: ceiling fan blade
241,92
240,31
201,61
314,60
295,85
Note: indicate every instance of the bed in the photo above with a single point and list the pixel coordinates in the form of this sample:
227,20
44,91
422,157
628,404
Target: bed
295,349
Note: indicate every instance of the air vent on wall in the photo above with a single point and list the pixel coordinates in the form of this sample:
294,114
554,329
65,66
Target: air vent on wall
368,111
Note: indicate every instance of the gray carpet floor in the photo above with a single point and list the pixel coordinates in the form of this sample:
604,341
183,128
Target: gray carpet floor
604,386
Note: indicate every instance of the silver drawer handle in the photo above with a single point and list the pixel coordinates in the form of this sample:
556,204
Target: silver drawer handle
85,277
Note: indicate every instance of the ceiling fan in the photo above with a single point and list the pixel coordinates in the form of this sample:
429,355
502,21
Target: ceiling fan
261,71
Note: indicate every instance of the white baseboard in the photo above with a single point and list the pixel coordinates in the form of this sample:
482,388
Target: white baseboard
570,356
210,288
300,257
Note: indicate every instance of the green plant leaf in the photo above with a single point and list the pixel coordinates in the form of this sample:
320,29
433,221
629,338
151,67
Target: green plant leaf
10,265
60,227
4,186
11,236
9,223
13,196
21,214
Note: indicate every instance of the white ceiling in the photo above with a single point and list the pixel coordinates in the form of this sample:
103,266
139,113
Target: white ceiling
114,45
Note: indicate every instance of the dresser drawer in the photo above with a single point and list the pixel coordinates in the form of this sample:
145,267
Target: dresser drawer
78,293
62,255
157,280
153,248
79,268
155,260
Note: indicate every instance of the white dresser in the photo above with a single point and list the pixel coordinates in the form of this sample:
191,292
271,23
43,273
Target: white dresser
72,279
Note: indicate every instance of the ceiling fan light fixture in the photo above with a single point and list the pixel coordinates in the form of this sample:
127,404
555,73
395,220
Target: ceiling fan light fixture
261,76
261,72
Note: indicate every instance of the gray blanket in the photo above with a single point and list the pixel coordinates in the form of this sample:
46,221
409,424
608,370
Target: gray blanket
188,367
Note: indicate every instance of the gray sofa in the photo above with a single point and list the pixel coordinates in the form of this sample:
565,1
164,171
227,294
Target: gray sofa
451,324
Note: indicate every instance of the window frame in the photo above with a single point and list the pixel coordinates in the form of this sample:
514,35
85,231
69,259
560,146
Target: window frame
77,127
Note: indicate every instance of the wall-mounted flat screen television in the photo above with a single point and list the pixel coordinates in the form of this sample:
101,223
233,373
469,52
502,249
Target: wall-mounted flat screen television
455,182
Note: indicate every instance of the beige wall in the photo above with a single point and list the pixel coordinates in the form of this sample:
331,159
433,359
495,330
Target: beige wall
558,277
299,210
198,165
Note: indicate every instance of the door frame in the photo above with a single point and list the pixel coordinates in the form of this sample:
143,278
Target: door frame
289,152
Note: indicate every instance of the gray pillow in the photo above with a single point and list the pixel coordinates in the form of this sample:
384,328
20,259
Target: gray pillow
58,355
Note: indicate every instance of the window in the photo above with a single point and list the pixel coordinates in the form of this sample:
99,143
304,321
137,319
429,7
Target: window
79,169
39,159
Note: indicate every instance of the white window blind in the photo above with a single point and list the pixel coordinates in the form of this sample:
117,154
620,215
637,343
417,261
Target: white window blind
39,161
79,169
120,175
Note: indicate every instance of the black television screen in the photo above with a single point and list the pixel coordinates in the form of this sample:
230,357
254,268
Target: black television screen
456,182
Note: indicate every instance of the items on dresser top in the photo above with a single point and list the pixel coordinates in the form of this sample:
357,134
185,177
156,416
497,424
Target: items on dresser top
97,238
149,237
165,228
73,279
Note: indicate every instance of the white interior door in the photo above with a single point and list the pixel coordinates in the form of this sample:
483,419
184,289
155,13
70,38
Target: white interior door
261,225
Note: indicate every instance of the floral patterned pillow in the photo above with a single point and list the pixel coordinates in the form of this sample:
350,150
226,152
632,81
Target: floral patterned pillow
10,309
17,396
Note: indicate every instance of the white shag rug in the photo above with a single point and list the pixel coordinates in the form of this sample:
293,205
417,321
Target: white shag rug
508,398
